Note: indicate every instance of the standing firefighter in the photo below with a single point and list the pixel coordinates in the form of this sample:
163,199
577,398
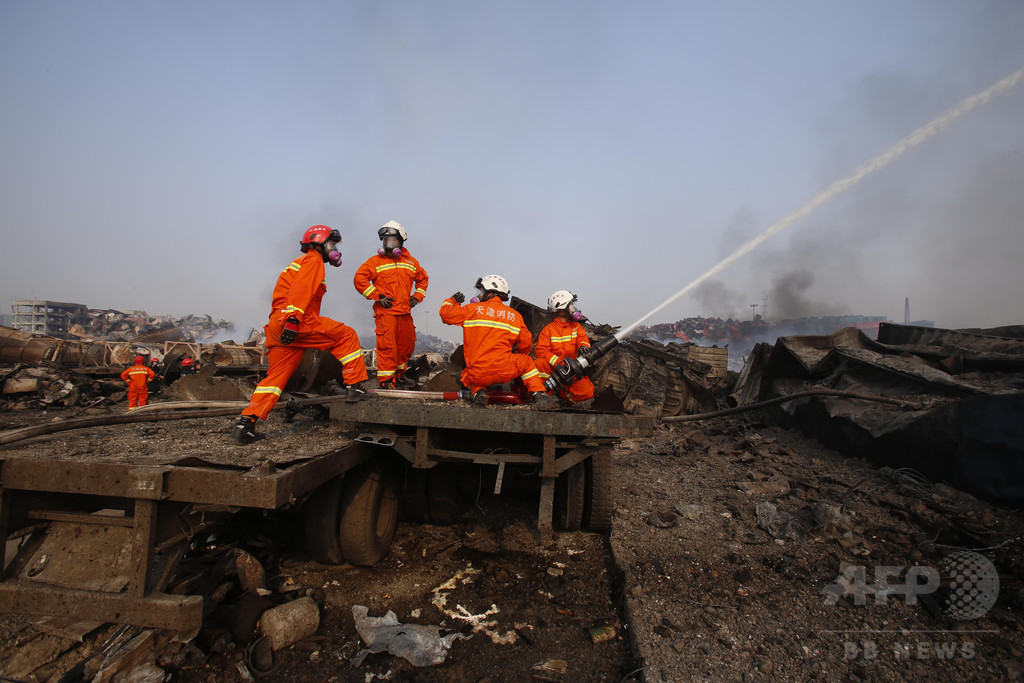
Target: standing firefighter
491,334
296,325
138,377
564,337
388,280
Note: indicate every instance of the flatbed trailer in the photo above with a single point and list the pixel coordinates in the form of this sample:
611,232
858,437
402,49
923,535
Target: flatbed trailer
139,513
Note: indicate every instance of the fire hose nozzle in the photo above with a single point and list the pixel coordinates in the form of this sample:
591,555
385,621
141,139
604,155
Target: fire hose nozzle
571,369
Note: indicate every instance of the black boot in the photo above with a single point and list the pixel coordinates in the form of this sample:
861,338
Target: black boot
358,392
542,401
245,430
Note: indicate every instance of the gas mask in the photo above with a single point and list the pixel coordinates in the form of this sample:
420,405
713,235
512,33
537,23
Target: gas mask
333,255
390,245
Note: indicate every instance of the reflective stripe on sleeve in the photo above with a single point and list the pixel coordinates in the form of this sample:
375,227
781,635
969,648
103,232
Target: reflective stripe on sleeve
369,290
491,323
531,373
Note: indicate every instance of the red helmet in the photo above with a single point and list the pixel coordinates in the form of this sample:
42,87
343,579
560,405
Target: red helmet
318,234
139,360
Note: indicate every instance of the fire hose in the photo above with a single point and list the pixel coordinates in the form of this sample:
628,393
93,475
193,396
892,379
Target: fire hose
187,410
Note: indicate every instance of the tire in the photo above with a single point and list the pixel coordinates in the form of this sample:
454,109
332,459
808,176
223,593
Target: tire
320,523
444,495
414,506
369,515
597,506
570,494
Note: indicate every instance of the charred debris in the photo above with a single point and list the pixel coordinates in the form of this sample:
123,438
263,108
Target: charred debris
950,408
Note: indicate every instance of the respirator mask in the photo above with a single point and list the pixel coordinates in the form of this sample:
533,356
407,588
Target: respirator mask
391,245
333,255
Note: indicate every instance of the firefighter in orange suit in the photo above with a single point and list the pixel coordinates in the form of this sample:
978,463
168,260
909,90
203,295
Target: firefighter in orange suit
491,334
395,282
564,337
296,325
138,377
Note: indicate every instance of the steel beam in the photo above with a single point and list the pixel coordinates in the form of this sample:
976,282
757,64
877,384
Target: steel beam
181,613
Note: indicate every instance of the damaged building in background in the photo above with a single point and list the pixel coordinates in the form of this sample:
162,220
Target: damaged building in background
77,321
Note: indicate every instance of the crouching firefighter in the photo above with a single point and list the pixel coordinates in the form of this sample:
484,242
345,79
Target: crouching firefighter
492,333
296,325
564,337
388,280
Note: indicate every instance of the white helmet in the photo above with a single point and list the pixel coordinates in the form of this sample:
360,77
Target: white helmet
561,300
393,229
493,283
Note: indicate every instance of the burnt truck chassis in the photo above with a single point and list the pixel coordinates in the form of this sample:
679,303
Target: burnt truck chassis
160,509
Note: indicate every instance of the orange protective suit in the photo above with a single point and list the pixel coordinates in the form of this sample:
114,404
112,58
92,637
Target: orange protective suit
138,378
490,333
560,339
298,292
394,277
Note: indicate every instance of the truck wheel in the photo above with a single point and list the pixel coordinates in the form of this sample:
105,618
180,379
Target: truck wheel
413,502
369,515
597,505
444,496
570,491
320,523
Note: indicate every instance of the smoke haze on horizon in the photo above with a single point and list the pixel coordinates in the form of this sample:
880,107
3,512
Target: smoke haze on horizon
168,157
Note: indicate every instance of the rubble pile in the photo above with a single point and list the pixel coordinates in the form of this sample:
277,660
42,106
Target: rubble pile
114,325
963,392
742,335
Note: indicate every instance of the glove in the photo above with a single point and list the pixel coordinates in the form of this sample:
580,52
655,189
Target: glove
290,331
413,301
458,297
583,352
385,301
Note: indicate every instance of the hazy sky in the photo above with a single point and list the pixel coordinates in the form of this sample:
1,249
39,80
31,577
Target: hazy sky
167,156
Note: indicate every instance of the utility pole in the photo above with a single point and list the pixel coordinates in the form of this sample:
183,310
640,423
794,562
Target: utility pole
752,311
906,311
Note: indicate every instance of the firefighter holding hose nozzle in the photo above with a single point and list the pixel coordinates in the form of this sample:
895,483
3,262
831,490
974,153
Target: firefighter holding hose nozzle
564,338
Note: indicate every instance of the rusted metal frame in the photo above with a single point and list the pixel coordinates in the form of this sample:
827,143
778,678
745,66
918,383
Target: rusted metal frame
183,484
574,457
422,459
181,613
545,512
298,480
548,458
487,458
142,546
80,518
523,421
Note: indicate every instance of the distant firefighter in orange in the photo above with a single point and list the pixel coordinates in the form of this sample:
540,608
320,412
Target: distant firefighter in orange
138,377
395,282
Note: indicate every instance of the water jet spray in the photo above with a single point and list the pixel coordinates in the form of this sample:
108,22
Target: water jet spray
571,369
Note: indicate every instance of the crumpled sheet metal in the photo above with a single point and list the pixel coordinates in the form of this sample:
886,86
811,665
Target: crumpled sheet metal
420,644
